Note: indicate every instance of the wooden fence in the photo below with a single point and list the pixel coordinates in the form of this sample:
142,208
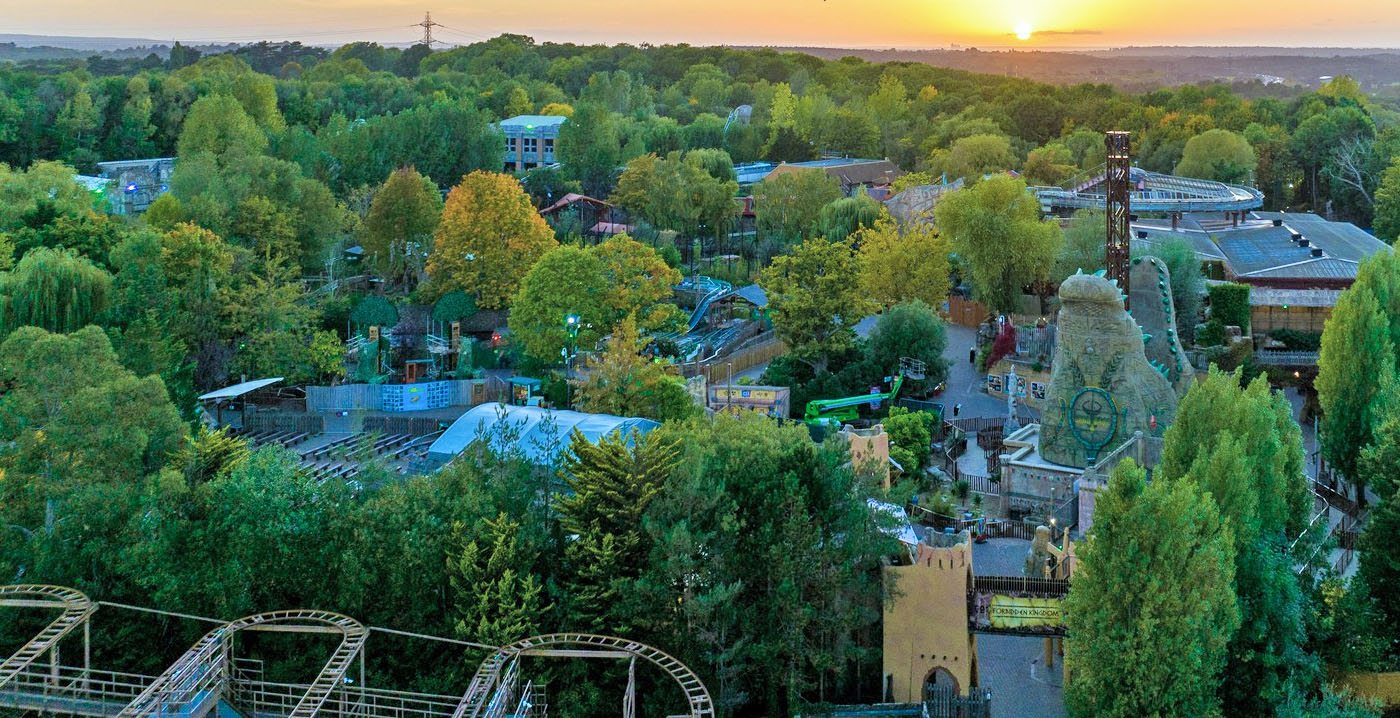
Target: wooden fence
762,350
302,423
415,425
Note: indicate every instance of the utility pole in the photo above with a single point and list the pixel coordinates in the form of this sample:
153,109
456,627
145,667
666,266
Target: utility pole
428,26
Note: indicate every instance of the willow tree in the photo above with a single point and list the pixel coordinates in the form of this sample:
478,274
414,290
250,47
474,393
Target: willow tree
53,289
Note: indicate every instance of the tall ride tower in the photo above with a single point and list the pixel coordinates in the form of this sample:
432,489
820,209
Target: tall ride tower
1118,181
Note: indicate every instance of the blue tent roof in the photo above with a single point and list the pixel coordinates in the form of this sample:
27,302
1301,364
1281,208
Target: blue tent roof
540,434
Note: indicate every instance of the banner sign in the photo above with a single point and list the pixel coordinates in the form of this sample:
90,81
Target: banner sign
1017,614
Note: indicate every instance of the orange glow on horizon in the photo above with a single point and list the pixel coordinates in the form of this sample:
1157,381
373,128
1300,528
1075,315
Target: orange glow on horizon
829,23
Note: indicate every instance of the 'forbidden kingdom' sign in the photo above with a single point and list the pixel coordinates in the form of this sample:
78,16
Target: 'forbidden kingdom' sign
1018,614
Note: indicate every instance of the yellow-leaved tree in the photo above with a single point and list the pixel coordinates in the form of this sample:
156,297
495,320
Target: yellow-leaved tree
897,267
639,281
489,237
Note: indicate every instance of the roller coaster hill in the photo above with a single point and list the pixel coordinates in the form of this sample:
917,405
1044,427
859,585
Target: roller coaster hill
65,665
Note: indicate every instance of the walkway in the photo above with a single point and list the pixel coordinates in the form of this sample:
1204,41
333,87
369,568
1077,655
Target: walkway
1010,667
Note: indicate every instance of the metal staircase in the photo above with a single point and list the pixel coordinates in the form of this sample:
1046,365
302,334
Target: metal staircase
76,610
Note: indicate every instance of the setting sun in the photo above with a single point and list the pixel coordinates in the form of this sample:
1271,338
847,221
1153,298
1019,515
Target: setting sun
1023,31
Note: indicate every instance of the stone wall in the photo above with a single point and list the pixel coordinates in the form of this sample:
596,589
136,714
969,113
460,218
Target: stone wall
925,623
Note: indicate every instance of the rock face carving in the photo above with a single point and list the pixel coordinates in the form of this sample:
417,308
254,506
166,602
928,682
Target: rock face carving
1103,387
1154,311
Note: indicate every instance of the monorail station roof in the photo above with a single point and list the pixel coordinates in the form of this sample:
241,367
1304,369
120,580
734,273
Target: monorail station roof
539,434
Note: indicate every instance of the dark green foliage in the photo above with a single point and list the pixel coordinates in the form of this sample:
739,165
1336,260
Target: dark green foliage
454,306
54,290
497,597
1294,340
912,330
1152,605
1212,334
1230,304
374,311
1380,562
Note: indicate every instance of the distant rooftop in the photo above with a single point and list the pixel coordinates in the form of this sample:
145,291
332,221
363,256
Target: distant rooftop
1279,249
530,121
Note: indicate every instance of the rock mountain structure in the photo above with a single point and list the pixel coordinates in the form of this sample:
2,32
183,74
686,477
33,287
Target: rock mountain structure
1111,376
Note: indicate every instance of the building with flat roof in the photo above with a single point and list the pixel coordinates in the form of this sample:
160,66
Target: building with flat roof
1296,263
530,140
850,172
135,184
1270,249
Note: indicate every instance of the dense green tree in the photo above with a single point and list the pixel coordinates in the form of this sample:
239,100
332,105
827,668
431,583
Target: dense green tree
275,331
73,415
996,230
54,290
622,381
36,197
910,437
814,303
217,124
1219,155
547,185
588,148
900,266
1356,354
398,233
678,192
1243,448
567,281
611,485
1152,606
1084,248
639,282
495,594
910,329
788,205
1387,219
972,157
1048,165
848,215
1378,466
1380,561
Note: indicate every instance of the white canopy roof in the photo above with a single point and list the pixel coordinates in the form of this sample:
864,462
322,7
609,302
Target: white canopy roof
540,434
237,390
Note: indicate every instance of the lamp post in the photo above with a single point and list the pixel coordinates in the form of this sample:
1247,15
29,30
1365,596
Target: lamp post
572,323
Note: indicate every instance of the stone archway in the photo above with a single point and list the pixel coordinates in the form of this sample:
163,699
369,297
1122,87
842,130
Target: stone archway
940,682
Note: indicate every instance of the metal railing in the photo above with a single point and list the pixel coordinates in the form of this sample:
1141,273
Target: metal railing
73,690
1021,585
263,697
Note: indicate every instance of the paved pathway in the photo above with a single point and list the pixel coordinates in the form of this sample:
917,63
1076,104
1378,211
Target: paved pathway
1010,667
965,384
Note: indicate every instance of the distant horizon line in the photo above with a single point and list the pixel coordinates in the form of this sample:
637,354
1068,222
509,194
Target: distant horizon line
140,42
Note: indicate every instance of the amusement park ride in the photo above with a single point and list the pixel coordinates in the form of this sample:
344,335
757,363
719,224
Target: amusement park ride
209,680
832,413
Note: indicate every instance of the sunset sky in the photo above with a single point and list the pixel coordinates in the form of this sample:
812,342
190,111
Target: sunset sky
842,23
